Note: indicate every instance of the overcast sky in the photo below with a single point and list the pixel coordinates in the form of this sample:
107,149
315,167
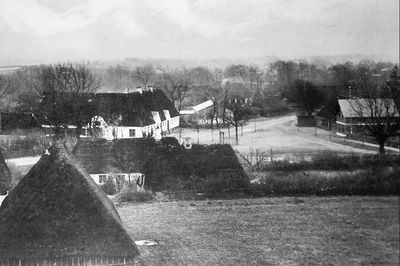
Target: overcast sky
52,30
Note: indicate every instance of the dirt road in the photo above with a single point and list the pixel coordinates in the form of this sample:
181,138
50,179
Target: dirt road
279,134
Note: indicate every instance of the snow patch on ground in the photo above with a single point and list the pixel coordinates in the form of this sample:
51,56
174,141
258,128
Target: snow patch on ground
145,243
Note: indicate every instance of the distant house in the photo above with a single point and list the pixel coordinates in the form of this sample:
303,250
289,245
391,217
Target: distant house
197,113
357,113
138,114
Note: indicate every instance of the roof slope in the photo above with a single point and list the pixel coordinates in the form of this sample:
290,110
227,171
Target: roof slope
5,176
203,105
58,211
165,167
134,109
355,108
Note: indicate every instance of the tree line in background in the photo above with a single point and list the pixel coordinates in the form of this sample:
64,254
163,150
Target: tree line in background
238,91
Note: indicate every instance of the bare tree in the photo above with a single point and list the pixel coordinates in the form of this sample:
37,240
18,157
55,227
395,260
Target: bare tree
375,111
67,89
254,159
175,84
119,77
145,74
237,115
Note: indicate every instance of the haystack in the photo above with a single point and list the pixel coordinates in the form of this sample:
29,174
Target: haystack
5,177
57,215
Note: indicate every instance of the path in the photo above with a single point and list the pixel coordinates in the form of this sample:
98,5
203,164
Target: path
279,134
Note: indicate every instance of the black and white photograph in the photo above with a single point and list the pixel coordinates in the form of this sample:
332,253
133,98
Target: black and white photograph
199,132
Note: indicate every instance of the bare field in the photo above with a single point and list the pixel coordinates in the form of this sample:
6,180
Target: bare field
267,231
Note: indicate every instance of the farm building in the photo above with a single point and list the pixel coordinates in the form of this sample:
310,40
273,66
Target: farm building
357,113
5,176
164,166
198,113
57,215
133,115
138,114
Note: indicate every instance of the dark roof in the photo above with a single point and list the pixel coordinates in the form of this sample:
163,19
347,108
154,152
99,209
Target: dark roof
165,167
133,108
5,176
57,211
12,121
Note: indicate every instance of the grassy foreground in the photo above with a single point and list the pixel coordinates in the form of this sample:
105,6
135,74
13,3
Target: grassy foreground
267,231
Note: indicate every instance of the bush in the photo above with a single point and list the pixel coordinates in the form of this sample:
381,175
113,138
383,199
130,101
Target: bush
132,195
109,187
373,181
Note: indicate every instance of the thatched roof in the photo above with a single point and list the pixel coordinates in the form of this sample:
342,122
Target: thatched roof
133,108
57,211
165,167
5,176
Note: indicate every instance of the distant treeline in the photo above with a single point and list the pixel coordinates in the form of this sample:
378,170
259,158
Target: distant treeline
270,86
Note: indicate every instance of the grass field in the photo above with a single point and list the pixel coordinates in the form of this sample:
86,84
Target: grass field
267,231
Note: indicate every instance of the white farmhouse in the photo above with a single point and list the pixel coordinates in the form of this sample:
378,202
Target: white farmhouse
138,114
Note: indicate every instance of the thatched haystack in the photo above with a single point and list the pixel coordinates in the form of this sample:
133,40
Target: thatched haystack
5,176
58,215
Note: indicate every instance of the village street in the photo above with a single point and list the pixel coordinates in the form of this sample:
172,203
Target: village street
278,133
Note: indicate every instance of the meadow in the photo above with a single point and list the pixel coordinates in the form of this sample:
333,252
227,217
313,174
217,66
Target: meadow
267,231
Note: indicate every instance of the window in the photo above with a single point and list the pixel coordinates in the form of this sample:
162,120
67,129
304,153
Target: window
132,132
102,178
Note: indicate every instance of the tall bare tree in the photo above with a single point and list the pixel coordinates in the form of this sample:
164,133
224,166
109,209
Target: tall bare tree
376,111
237,114
145,74
67,89
176,85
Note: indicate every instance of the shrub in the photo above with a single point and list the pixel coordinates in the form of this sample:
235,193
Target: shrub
109,187
132,195
373,181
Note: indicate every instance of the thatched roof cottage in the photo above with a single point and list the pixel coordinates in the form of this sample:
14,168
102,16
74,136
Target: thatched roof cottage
165,166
